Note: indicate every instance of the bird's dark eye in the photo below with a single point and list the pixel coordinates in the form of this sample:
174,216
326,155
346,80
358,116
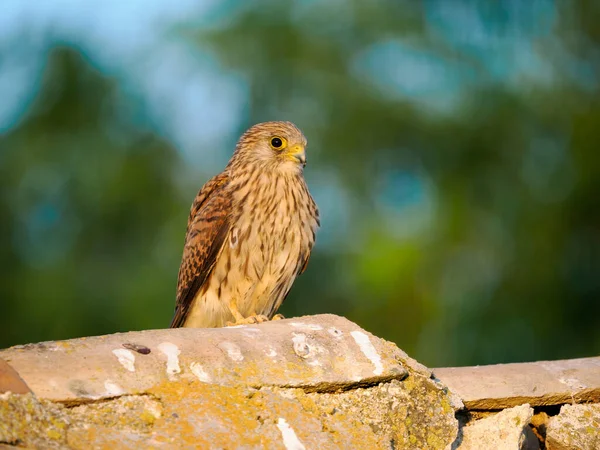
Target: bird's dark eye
278,143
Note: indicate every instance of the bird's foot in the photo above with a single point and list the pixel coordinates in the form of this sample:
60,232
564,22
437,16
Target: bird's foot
257,318
278,317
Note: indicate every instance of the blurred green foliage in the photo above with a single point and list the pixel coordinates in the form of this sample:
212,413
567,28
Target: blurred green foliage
463,227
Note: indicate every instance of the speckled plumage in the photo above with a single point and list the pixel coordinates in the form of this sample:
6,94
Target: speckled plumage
250,232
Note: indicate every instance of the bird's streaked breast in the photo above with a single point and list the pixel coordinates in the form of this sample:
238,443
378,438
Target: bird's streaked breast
276,224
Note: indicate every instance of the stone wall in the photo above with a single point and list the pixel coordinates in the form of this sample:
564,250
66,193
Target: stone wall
541,405
310,382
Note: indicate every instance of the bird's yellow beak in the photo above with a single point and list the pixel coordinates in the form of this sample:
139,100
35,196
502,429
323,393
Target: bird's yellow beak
298,153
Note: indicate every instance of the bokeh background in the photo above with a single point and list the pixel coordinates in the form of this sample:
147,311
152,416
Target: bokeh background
453,151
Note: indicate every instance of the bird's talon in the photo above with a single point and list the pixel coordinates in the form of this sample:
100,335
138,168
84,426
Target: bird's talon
278,317
251,320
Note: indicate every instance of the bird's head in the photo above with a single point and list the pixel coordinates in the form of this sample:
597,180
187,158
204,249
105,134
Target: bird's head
276,145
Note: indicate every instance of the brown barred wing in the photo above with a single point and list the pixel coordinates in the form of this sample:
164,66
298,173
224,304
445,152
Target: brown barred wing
208,226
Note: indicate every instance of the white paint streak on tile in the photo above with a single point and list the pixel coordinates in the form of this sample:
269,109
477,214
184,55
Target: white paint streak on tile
235,326
126,358
251,332
366,346
290,440
113,389
301,347
233,350
572,383
200,373
307,326
172,353
307,348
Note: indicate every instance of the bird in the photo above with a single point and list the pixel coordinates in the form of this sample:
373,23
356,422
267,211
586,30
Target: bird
250,232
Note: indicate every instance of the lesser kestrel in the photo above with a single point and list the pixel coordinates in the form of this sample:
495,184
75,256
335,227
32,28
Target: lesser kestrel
250,232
